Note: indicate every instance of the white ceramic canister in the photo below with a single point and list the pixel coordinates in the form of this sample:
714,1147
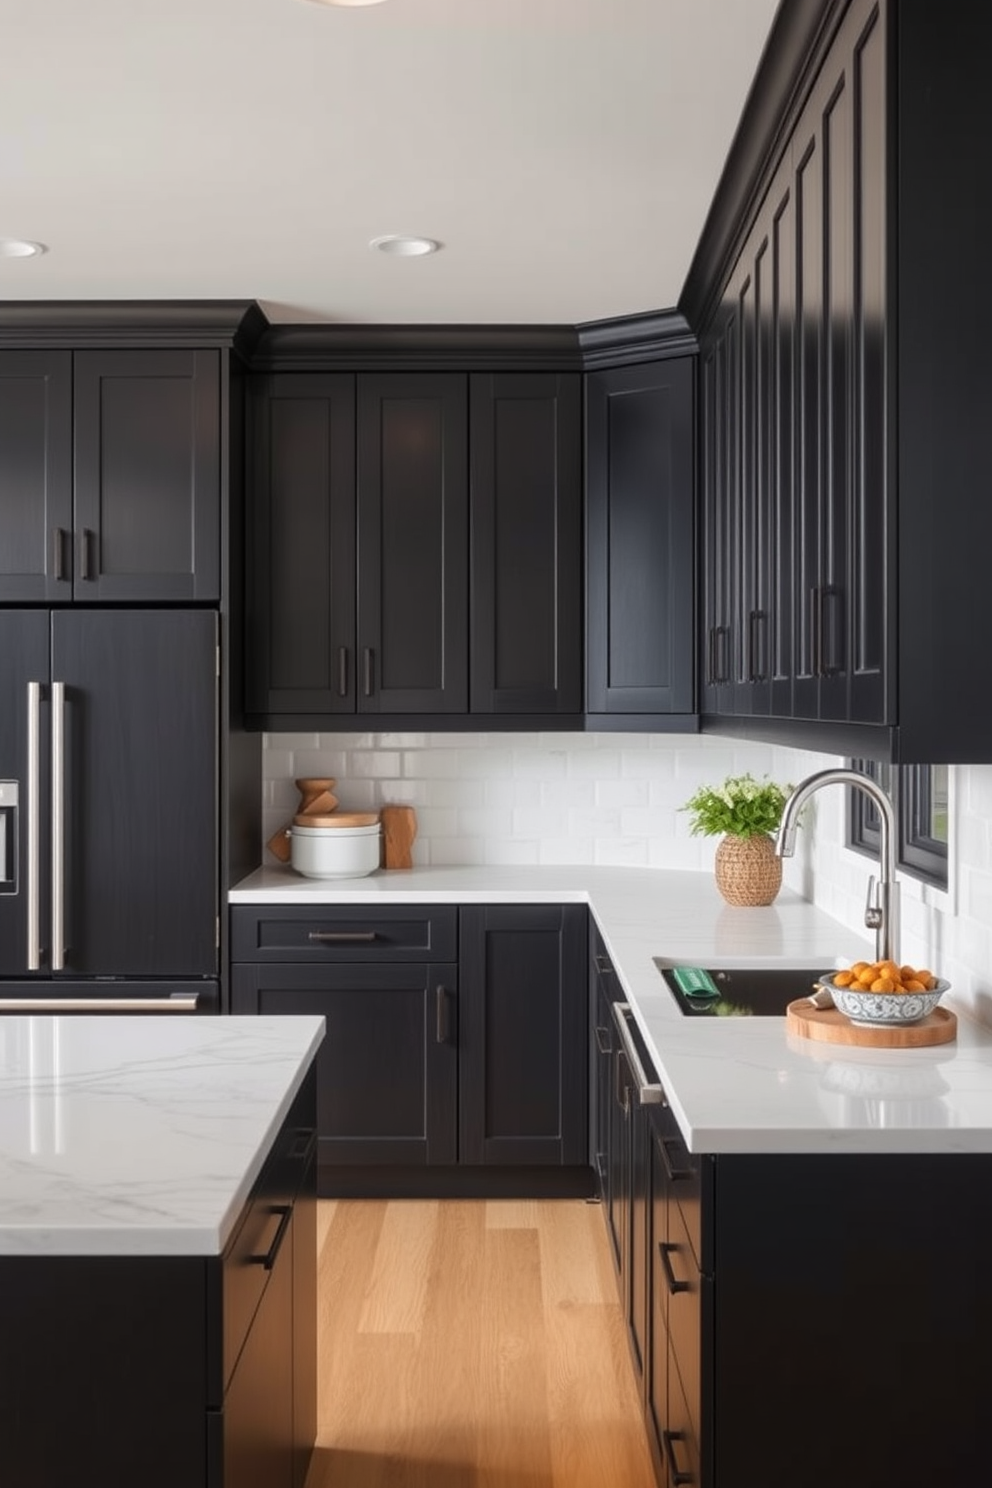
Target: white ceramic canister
335,852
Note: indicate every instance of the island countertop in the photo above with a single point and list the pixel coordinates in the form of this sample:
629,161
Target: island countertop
734,1084
141,1134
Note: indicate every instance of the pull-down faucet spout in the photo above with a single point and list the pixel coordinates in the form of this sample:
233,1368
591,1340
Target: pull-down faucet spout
882,908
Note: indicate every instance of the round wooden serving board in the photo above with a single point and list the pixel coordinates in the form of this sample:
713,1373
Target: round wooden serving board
831,1026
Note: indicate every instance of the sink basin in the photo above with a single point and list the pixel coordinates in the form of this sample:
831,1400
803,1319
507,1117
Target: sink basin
744,991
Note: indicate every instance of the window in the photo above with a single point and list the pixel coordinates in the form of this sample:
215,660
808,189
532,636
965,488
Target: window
919,795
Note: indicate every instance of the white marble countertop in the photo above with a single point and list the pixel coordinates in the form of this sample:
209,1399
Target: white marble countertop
734,1084
142,1134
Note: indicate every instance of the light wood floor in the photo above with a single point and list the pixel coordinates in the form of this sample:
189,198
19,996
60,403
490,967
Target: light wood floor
472,1344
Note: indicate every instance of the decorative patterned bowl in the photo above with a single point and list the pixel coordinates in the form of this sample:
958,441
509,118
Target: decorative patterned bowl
883,1009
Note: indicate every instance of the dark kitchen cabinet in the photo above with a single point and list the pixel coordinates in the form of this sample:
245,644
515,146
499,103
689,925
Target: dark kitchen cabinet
200,1367
640,555
358,544
522,1036
455,1058
839,359
526,541
110,476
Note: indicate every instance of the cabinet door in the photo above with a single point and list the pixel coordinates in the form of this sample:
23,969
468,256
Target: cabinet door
523,1035
258,1407
387,1071
140,790
526,502
412,543
301,581
147,475
35,476
639,542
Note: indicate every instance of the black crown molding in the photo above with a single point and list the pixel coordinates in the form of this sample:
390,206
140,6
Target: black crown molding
450,348
628,339
236,324
797,43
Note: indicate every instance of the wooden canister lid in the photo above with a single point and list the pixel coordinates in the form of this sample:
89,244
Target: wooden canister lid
338,819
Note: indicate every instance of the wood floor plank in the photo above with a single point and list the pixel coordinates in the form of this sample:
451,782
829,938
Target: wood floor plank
325,1218
510,1369
397,1289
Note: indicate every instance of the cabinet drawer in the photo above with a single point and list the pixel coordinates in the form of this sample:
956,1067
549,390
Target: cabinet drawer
684,1285
335,933
679,1440
684,1181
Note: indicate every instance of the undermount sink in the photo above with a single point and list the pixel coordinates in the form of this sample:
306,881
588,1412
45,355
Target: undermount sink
743,991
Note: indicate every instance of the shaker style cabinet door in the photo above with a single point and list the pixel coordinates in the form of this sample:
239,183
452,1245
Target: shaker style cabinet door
147,473
301,534
412,543
639,543
35,476
526,566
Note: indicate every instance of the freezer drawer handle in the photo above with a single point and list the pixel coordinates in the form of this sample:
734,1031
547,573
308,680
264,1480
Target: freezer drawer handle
34,855
177,1002
58,826
342,937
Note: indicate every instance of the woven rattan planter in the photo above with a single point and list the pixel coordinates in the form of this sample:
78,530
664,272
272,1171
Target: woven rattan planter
748,870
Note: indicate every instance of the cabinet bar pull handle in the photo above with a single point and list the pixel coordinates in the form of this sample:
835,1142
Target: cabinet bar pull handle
58,826
674,1286
58,559
342,671
815,635
85,566
649,1093
603,1041
711,657
367,656
177,1002
603,963
675,1475
675,1174
268,1260
342,937
303,1144
723,668
443,1019
830,667
33,825
755,672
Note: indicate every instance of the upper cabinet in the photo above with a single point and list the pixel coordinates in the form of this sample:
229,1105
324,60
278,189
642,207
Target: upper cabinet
640,556
110,475
414,545
526,569
841,444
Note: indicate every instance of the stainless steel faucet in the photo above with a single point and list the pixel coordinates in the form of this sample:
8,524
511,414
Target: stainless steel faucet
882,906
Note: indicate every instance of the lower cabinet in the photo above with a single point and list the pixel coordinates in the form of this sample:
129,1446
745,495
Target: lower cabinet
188,1370
455,1058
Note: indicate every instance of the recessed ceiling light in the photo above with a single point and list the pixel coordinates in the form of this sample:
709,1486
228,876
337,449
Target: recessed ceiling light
345,2
20,248
403,245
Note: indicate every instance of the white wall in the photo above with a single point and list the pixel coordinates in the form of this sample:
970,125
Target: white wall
615,798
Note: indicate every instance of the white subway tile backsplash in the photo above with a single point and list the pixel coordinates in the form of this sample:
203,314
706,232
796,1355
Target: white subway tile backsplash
607,798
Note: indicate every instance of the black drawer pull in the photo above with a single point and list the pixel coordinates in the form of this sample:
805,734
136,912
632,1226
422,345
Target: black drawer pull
303,1144
676,1174
342,937
603,963
268,1260
675,1474
603,1041
665,1249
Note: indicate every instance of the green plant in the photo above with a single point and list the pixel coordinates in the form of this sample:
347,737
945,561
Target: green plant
740,807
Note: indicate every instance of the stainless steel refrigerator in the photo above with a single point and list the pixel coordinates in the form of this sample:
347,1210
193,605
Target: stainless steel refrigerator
109,876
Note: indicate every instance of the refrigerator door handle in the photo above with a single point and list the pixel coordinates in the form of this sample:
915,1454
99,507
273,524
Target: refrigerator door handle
58,826
33,828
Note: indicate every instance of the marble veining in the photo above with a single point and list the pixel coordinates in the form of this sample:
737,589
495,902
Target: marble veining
734,1084
141,1134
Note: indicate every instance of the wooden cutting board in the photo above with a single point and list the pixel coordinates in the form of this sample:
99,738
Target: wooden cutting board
399,828
833,1027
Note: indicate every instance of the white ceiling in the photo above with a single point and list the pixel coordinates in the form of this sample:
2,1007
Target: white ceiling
565,152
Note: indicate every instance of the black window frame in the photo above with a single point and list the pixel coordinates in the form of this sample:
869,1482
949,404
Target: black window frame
910,789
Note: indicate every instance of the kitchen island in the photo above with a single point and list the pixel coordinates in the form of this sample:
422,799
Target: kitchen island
801,1230
157,1250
